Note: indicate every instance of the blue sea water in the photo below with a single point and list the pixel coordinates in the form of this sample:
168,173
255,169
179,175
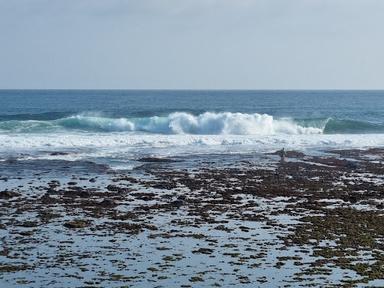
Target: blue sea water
345,111
121,124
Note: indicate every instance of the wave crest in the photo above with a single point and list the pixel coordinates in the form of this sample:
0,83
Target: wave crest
235,124
208,123
94,123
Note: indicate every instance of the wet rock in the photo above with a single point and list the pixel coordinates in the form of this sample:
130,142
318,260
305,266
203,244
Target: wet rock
47,215
203,251
351,165
223,228
6,194
26,233
112,188
79,192
177,203
380,206
28,224
13,268
51,190
196,279
156,160
290,154
224,199
107,203
54,184
144,196
76,224
58,153
165,185
47,199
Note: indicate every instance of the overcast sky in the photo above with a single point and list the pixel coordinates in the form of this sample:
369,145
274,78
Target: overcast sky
192,44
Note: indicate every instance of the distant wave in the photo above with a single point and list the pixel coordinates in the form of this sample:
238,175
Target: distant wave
208,123
335,126
35,116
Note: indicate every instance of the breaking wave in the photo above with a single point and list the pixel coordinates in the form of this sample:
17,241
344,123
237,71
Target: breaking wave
225,123
208,123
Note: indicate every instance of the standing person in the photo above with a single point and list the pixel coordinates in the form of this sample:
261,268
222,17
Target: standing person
282,155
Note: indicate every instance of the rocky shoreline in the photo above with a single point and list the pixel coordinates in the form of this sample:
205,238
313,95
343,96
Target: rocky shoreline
308,221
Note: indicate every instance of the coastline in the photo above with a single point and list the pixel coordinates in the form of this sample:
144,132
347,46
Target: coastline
312,220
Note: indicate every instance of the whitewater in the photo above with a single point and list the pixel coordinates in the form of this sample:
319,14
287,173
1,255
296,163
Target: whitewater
95,137
110,126
208,123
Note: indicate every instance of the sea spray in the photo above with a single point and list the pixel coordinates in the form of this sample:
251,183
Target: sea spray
208,123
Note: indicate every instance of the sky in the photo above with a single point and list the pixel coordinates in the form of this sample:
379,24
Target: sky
191,44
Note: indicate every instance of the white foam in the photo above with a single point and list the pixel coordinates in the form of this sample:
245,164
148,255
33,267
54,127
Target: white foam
208,123
235,124
111,143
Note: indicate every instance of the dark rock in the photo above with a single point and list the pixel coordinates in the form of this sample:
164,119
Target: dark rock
351,165
380,206
75,224
57,153
107,203
203,251
26,233
6,194
51,190
289,154
177,203
46,199
113,188
77,193
156,160
28,224
165,185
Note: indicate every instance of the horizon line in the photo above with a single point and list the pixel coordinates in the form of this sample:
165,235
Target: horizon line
183,89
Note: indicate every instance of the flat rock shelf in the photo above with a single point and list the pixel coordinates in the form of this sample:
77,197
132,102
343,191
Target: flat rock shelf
311,220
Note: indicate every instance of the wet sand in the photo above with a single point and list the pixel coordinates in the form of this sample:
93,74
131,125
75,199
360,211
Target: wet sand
312,220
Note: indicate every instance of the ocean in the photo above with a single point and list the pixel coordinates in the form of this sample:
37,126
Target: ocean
117,127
